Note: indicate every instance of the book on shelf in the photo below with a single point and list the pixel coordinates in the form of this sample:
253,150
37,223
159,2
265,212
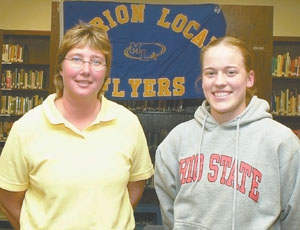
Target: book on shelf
283,65
12,53
17,105
286,102
22,79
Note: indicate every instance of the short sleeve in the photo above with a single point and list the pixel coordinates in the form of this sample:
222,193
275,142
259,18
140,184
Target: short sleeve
13,165
142,167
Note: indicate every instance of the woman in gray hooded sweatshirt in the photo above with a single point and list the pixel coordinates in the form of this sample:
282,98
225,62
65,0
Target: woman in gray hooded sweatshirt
231,167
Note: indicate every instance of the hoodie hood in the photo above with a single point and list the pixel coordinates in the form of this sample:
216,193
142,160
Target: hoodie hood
256,110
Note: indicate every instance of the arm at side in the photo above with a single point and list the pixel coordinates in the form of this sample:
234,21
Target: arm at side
11,204
135,190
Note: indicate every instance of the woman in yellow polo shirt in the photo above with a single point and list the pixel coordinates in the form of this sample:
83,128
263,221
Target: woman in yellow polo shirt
79,160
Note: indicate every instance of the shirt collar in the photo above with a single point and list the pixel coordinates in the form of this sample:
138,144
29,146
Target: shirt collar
107,111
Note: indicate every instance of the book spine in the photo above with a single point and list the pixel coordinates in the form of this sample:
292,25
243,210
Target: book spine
8,81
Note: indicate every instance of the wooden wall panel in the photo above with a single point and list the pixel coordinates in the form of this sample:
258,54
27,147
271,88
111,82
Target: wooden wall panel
54,43
254,25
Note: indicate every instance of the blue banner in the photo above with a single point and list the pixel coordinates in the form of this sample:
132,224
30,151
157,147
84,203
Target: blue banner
156,48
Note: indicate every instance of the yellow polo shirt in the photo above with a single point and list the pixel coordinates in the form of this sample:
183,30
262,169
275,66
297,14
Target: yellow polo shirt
75,180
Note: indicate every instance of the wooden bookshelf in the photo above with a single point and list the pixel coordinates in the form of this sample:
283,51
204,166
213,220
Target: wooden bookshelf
24,68
286,85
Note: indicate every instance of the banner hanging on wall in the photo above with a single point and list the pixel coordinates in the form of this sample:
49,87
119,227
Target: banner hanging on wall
156,48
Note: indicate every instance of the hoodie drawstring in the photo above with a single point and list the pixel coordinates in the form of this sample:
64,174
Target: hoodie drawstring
201,139
235,166
236,174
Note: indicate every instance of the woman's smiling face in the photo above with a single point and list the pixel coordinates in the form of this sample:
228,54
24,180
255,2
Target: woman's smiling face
224,81
83,81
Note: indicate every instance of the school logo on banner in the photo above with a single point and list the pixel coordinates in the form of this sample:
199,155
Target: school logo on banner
156,48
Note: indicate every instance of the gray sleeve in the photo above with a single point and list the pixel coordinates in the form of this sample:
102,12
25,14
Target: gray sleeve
165,177
290,186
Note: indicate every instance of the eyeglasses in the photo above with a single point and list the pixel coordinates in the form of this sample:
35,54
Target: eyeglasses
78,62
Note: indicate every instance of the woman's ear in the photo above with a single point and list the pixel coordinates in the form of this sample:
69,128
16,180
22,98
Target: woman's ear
251,79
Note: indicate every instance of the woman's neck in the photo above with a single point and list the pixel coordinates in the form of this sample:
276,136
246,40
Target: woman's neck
79,112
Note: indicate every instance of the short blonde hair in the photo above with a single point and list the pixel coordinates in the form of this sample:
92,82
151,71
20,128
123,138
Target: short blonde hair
79,36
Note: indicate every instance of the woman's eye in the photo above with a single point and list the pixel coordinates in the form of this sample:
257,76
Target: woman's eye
76,59
210,73
231,72
96,62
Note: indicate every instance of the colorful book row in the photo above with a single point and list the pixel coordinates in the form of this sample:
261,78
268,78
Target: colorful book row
286,102
285,66
12,53
21,79
15,105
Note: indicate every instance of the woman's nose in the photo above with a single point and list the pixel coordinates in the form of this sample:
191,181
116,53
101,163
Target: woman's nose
86,67
220,78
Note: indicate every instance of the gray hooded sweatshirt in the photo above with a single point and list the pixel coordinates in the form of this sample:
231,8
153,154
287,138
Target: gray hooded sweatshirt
196,180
